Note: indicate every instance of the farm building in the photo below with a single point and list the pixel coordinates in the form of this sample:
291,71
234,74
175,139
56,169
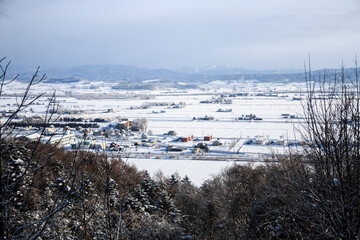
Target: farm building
208,138
187,139
171,133
124,124
207,118
259,140
29,138
61,139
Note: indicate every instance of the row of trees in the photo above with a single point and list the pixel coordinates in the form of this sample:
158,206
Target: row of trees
314,193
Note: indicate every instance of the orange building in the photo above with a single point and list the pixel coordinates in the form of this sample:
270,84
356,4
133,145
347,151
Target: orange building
187,139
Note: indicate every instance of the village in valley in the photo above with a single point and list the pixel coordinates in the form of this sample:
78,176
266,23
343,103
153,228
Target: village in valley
222,127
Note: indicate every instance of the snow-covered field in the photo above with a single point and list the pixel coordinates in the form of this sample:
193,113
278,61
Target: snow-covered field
162,119
198,171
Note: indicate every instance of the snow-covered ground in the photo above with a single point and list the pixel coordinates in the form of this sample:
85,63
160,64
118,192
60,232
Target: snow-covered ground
198,171
162,119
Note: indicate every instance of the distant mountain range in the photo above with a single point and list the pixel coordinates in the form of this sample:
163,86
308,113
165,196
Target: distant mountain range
214,70
125,75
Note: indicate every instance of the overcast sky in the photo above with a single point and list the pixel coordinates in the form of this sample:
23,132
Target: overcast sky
255,34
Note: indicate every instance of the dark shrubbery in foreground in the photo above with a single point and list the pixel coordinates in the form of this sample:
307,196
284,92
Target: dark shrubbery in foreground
54,194
85,195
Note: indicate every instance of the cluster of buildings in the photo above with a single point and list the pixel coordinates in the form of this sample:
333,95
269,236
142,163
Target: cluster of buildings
77,136
159,104
248,117
206,118
191,138
224,110
218,100
286,115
